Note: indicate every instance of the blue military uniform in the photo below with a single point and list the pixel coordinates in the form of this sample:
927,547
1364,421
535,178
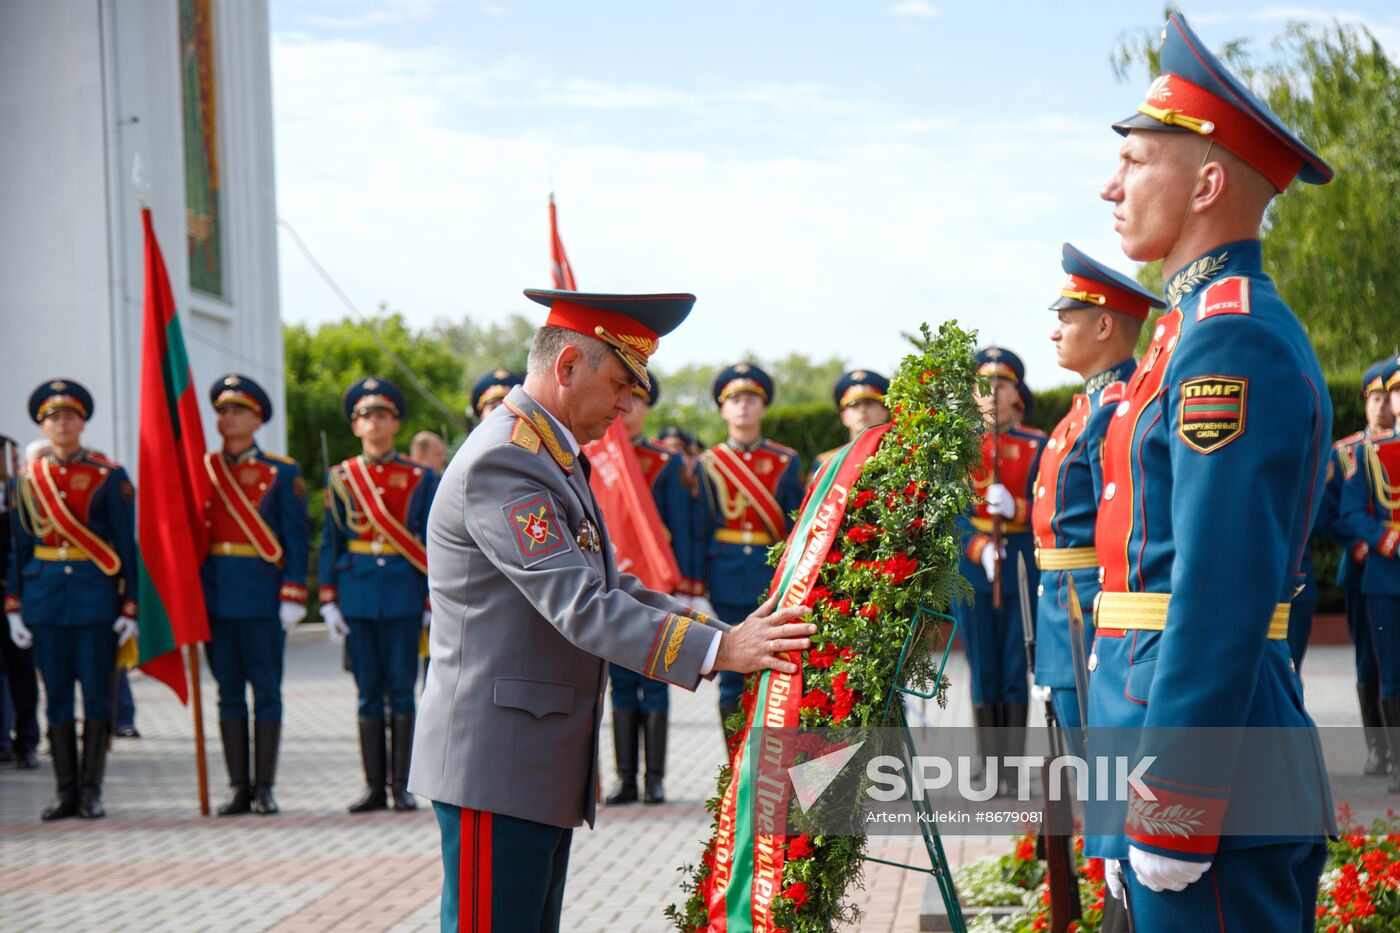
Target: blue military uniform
641,704
254,575
72,573
1070,482
373,568
750,490
852,388
1213,470
1341,466
1369,520
492,388
992,636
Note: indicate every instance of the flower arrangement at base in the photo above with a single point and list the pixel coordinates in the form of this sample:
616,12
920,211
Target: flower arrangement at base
1360,890
874,552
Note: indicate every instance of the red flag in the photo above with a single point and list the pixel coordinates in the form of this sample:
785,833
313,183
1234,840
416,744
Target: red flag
171,486
563,272
634,525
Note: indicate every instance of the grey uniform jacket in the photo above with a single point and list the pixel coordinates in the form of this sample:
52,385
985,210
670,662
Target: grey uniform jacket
527,608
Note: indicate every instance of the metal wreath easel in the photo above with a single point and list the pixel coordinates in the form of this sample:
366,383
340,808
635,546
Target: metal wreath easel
938,866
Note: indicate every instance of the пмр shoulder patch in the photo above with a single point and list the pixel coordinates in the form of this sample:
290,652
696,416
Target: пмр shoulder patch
1212,411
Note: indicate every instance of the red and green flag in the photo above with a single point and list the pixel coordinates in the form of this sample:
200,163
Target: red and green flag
561,270
169,528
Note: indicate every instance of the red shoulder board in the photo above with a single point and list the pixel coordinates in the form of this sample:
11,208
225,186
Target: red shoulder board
1113,392
1228,296
1351,440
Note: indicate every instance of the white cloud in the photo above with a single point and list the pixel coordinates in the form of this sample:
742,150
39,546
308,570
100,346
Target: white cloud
919,9
832,247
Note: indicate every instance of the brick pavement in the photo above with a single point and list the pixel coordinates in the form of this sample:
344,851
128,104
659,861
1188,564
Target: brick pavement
155,865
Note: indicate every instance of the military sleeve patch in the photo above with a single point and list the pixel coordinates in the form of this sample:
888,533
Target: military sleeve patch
1228,296
1212,411
536,526
299,488
128,492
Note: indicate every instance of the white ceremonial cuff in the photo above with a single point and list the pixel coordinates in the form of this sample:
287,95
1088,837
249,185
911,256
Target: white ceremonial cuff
708,667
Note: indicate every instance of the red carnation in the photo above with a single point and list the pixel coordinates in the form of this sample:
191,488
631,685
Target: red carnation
862,534
847,653
870,611
817,700
800,847
845,699
797,893
833,557
917,525
822,658
819,593
900,567
862,499
843,606
1025,850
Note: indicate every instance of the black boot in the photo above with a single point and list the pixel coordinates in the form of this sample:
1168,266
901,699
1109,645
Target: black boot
726,713
654,725
95,738
1377,749
1390,716
402,742
63,744
372,755
234,735
266,737
1013,742
625,723
984,721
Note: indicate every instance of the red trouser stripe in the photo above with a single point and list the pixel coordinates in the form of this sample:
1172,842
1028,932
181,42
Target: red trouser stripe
474,873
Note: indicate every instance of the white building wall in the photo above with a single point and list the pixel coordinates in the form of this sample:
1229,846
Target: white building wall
86,86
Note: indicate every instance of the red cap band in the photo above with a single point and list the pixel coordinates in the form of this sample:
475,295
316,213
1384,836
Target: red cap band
1113,298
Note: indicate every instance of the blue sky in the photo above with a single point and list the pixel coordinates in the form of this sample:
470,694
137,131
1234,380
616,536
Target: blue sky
822,175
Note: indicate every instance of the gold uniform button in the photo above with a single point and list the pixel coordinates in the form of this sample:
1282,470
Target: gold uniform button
380,561
67,569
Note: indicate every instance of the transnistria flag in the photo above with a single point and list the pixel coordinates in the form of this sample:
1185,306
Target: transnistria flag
563,272
634,524
169,528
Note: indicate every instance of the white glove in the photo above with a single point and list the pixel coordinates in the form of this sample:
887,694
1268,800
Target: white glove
1160,873
19,633
427,617
1113,877
335,622
291,613
125,627
989,557
1041,693
1000,501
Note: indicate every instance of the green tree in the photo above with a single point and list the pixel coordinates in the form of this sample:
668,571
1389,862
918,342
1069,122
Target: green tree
1333,250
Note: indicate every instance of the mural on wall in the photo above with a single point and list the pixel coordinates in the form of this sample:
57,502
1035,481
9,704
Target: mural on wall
203,225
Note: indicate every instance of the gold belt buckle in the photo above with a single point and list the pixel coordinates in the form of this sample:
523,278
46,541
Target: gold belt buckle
63,552
376,547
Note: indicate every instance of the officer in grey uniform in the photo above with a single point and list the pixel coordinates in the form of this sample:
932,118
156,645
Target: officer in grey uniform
528,608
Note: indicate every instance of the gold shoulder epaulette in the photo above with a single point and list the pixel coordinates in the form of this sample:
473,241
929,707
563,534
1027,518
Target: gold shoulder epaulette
524,436
280,458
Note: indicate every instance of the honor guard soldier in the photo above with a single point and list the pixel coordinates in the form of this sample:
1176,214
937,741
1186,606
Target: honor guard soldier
72,584
1214,465
991,624
374,584
751,486
530,608
254,585
1342,466
1368,527
491,390
1100,314
641,704
860,400
21,680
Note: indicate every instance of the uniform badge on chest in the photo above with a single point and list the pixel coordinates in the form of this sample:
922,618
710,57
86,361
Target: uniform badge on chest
588,537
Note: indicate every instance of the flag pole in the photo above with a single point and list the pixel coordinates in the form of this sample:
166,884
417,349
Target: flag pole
197,709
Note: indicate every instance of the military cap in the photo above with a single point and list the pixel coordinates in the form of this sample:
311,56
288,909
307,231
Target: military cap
743,377
673,434
235,389
371,393
857,385
494,385
1390,371
631,324
1196,93
995,362
59,395
650,392
1091,284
